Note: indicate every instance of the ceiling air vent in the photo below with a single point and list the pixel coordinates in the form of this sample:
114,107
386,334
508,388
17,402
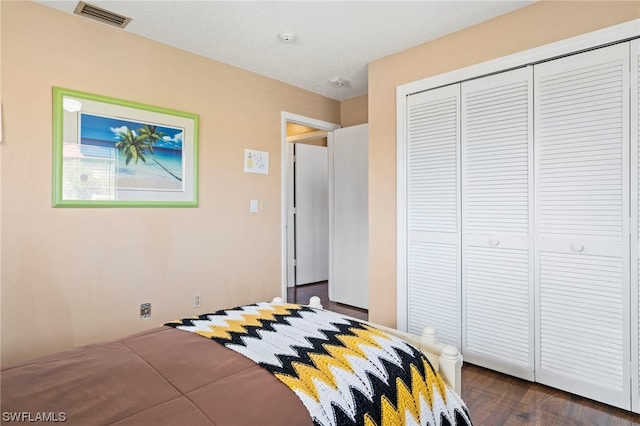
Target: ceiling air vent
101,15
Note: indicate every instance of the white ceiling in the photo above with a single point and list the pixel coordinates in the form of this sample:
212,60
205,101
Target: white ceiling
332,38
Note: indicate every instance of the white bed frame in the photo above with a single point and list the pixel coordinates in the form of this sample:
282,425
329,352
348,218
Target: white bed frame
446,359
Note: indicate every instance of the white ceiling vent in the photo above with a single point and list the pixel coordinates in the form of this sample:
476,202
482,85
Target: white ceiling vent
101,15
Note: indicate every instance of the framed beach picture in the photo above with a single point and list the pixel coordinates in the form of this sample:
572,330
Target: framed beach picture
110,152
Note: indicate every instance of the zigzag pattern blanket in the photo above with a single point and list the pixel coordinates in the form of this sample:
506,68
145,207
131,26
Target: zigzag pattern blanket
344,372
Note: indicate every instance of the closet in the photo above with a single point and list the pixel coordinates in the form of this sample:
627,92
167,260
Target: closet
520,225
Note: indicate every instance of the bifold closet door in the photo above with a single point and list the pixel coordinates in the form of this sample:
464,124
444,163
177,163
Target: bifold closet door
497,222
582,239
635,224
433,212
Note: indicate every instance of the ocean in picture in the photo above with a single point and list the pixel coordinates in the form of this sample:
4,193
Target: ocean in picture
148,156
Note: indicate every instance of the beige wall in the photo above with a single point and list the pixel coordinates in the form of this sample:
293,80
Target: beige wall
541,23
354,111
74,276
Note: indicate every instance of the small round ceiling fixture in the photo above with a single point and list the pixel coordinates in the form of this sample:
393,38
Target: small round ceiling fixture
338,81
287,37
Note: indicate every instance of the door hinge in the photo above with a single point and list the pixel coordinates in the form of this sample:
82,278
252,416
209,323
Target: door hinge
294,158
295,262
294,210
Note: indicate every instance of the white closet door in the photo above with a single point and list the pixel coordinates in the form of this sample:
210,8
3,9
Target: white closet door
433,212
635,224
582,241
497,221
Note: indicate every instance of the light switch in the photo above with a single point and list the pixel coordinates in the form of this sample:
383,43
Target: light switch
254,206
263,205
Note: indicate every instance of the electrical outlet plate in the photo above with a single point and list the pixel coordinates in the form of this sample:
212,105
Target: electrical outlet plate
145,310
197,300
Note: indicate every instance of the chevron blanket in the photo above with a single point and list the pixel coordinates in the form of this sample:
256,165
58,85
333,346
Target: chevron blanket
344,372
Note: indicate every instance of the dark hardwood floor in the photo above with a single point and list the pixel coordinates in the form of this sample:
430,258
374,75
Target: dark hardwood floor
301,294
496,399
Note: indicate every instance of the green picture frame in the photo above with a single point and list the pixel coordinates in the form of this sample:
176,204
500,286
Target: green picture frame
110,152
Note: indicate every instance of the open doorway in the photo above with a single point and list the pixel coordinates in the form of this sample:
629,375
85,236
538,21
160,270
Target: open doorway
305,253
346,167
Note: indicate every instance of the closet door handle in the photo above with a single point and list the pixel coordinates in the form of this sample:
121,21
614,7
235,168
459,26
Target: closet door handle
494,242
577,247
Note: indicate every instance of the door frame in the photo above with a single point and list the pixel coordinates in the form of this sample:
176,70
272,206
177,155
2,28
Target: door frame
286,193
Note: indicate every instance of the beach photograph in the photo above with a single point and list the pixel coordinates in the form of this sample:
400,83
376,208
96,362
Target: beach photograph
148,157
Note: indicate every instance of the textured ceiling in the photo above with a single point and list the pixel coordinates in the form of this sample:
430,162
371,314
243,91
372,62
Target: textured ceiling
332,38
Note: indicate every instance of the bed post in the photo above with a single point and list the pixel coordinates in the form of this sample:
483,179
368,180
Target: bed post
315,302
450,360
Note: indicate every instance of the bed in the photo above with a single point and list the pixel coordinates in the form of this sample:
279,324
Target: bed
269,363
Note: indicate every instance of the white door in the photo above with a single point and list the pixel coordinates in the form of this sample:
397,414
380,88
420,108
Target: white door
349,282
582,209
497,222
433,213
311,214
635,223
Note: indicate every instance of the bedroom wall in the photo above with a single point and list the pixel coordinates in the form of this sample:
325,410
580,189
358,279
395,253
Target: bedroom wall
75,276
354,111
536,25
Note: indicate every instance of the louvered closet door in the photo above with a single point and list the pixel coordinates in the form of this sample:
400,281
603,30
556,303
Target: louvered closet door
497,220
635,224
582,242
433,213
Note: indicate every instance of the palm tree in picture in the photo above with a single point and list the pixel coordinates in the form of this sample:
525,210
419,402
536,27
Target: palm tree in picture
151,136
132,146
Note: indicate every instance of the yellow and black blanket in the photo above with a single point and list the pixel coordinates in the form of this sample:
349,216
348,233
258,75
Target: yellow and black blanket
345,372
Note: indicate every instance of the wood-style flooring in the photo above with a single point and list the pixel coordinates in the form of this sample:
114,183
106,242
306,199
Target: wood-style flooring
302,293
496,399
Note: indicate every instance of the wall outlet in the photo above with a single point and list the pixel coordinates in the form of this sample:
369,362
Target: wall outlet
197,300
145,310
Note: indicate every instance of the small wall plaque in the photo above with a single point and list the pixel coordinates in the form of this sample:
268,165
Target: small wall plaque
256,161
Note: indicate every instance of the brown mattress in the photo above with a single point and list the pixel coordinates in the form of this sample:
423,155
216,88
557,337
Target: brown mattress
160,377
